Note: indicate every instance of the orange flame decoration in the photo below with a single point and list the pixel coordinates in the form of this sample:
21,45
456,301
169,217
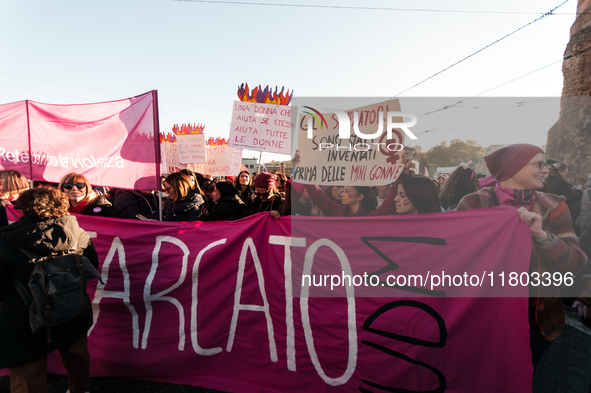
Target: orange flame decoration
167,137
266,96
187,129
216,141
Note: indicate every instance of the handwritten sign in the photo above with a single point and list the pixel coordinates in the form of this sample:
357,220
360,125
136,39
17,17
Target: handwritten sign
191,148
324,158
262,127
170,158
222,160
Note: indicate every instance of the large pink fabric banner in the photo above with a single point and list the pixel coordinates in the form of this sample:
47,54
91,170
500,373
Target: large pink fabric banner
14,138
112,143
219,305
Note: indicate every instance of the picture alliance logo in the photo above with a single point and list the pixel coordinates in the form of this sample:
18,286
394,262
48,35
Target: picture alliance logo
344,126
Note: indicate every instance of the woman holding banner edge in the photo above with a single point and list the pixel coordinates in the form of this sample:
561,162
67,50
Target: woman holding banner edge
520,170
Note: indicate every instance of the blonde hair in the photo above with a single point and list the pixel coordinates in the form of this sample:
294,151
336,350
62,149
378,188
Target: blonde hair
78,178
13,183
181,184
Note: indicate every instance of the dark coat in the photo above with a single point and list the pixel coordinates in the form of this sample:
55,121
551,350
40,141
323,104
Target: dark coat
228,208
3,216
18,344
100,207
188,209
130,203
258,206
245,196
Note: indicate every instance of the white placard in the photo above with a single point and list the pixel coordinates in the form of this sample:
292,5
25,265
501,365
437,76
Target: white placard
262,127
327,159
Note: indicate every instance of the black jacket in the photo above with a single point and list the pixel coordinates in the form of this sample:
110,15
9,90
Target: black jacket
229,208
18,344
258,206
100,206
130,203
188,209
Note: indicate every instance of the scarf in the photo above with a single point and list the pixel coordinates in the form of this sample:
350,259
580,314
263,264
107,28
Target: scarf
79,208
513,197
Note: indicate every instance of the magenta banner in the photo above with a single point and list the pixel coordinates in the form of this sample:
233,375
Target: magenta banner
14,138
216,305
112,143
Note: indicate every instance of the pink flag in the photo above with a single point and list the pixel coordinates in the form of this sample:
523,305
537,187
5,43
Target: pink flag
112,143
14,138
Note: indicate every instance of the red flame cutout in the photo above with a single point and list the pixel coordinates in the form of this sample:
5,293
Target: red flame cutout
166,137
216,141
264,96
186,129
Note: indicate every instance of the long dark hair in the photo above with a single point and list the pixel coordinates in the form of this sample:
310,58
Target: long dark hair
237,181
328,193
225,188
460,181
193,176
369,201
422,193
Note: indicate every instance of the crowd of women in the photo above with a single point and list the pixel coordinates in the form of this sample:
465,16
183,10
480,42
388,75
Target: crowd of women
519,174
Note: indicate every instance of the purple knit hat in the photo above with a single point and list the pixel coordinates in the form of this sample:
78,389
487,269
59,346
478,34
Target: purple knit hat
504,163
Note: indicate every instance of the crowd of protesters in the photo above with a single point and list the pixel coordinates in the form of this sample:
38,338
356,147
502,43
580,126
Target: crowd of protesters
522,177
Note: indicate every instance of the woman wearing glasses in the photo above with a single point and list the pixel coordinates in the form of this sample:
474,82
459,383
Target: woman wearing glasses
267,197
83,200
185,202
520,171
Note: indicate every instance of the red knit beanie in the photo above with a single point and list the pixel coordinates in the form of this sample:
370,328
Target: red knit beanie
265,180
504,163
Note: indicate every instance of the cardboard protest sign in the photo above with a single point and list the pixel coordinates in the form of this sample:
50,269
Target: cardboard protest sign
367,156
170,157
222,160
261,127
190,143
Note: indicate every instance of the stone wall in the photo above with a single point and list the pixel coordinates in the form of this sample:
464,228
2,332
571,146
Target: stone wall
569,140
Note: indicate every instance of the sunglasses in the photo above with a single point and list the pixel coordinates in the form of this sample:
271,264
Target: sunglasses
265,194
69,186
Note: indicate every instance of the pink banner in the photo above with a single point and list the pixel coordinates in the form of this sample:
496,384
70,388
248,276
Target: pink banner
215,305
14,138
112,143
